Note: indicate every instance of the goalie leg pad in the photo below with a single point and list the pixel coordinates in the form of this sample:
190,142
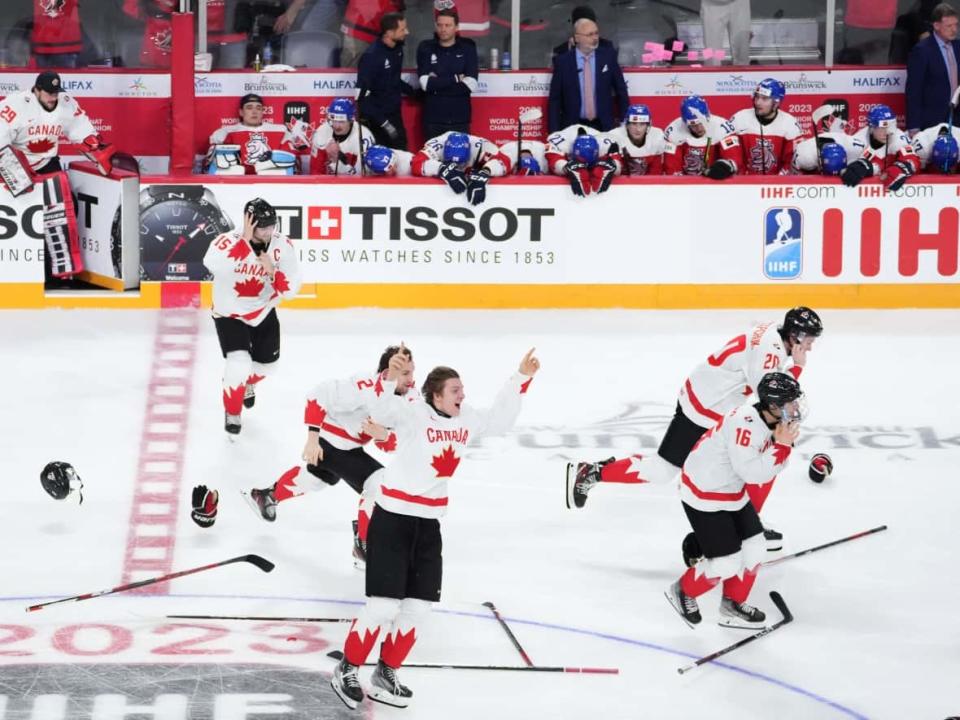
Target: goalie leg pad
60,226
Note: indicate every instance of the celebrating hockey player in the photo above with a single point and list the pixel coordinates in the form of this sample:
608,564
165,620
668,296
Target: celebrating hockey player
641,144
768,135
715,387
829,128
526,158
31,124
700,143
253,146
464,162
883,150
404,561
338,144
336,415
936,148
253,270
381,160
748,447
586,157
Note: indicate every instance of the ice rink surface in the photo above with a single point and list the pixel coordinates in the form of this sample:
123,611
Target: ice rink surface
875,635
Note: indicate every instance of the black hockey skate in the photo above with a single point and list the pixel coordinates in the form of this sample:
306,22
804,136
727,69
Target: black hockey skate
250,395
692,552
346,684
262,502
741,615
231,423
685,605
359,549
774,540
385,687
581,477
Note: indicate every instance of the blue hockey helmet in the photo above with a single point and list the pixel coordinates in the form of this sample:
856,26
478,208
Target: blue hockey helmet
833,159
882,117
342,109
694,109
528,165
378,159
638,113
771,88
456,149
586,149
944,153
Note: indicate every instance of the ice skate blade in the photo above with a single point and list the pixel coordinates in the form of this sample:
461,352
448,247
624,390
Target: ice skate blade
359,564
738,624
666,594
252,504
386,698
349,702
571,481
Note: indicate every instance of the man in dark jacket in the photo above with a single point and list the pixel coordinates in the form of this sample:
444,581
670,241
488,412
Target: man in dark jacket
933,72
448,69
379,85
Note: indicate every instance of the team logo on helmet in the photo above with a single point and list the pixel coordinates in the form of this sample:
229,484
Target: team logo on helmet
882,117
638,113
771,88
341,110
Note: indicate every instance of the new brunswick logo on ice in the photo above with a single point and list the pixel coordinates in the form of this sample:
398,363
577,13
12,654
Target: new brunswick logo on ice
782,243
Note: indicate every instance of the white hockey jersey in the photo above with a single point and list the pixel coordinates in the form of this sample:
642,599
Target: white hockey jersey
560,145
328,156
241,287
30,128
721,382
923,141
646,159
767,149
806,158
431,446
484,155
687,154
739,450
897,148
536,148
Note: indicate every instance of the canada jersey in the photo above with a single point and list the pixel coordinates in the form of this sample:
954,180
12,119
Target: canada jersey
536,149
560,145
766,149
739,450
241,287
923,142
430,446
30,128
720,383
256,143
56,27
687,154
484,155
329,156
897,148
646,159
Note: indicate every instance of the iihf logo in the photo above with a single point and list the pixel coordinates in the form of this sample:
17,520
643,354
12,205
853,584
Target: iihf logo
782,243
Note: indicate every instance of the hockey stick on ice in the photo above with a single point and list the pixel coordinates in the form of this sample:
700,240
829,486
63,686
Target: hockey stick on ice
787,617
826,545
262,618
260,562
509,632
337,655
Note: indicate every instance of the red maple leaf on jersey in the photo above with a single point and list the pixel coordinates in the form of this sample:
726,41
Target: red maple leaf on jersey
780,453
314,414
390,444
251,287
40,146
446,462
239,251
280,283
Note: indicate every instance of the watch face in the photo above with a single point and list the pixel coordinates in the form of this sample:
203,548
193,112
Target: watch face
175,232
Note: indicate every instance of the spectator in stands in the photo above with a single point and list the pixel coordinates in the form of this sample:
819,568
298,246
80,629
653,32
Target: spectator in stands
866,30
580,12
448,69
362,26
932,72
912,27
310,15
721,17
584,83
379,86
55,39
252,146
157,29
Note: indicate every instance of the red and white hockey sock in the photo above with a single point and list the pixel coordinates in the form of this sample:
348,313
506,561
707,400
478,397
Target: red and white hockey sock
378,612
400,640
638,469
758,494
695,582
235,372
286,487
258,371
367,500
738,588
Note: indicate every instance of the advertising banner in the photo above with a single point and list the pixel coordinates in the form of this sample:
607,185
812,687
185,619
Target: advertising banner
21,236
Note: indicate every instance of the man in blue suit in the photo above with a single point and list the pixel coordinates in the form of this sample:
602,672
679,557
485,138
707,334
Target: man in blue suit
584,83
933,71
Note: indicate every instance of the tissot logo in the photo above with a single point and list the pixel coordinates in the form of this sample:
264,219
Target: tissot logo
324,223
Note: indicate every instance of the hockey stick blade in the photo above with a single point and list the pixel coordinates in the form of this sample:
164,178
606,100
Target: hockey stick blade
506,628
260,562
262,618
337,655
778,600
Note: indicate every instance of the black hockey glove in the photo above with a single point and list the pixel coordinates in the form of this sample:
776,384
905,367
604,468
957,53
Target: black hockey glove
453,176
205,501
601,174
897,175
720,170
855,173
477,186
579,176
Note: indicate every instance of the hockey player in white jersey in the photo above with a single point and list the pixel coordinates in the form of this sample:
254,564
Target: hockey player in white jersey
768,135
526,158
829,128
404,560
337,418
338,144
641,144
253,146
381,160
464,162
936,148
253,270
701,143
751,445
586,157
883,150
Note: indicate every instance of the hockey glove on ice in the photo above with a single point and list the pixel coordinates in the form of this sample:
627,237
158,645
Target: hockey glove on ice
454,177
855,173
477,187
720,170
602,175
897,175
579,176
205,502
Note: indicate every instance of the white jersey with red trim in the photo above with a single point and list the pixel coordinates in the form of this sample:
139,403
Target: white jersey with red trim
721,382
332,156
255,143
560,145
431,446
739,450
242,289
897,148
339,407
923,141
806,157
536,149
766,149
484,155
645,159
29,127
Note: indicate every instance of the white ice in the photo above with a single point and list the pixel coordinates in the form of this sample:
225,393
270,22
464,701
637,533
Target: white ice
876,632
